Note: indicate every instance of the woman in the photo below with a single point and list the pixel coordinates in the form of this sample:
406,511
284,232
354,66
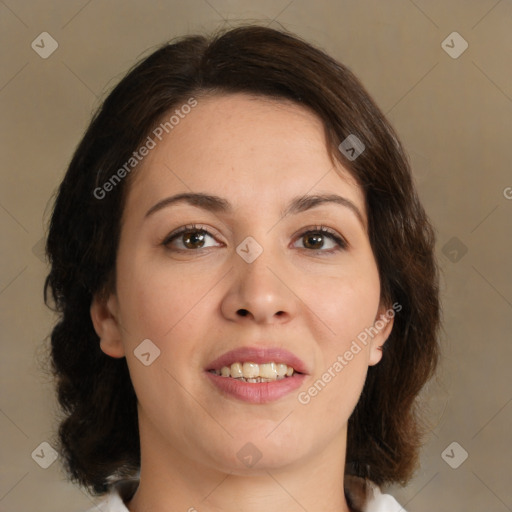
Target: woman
247,286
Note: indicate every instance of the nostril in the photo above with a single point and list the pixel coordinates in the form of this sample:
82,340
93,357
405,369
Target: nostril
243,312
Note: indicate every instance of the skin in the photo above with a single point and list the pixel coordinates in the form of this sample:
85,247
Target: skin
257,153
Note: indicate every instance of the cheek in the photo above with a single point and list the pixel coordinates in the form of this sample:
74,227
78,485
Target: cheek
164,304
160,297
349,304
346,305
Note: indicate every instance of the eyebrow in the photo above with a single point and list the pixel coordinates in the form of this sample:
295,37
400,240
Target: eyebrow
218,204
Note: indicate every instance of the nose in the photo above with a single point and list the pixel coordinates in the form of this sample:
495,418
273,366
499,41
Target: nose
260,292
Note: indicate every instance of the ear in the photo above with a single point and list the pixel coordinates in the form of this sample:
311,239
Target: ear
104,315
382,326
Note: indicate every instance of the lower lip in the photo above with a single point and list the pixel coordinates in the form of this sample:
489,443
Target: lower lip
257,392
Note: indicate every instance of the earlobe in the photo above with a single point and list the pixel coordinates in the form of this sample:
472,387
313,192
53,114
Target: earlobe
375,354
105,320
383,325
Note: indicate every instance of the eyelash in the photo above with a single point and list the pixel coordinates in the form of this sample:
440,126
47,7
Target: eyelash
340,242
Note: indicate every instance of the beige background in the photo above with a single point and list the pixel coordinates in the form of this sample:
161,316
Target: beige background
453,115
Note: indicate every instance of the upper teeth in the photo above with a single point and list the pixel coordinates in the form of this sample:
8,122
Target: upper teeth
271,371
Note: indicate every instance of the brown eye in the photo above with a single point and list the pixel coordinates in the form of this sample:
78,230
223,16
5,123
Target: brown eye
193,239
188,238
313,241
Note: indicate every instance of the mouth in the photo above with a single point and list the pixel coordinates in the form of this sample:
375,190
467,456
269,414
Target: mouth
257,374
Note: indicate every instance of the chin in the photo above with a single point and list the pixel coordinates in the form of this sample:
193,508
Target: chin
251,451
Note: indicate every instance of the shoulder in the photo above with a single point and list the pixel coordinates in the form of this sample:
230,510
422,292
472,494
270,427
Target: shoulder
112,502
365,496
383,503
120,493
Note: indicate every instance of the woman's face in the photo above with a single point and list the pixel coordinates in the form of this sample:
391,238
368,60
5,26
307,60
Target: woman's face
253,279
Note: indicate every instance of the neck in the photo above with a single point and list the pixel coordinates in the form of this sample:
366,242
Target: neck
171,481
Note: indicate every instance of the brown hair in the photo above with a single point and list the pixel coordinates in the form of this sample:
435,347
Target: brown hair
99,435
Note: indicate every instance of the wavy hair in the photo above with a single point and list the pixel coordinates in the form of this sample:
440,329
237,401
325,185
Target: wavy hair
98,436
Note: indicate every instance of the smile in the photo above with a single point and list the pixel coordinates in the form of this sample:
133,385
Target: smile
255,373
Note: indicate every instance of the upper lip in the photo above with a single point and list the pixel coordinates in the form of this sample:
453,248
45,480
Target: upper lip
258,355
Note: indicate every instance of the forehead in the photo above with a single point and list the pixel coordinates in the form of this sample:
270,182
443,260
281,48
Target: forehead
250,147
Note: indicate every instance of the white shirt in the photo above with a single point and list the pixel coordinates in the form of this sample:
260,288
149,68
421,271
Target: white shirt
376,501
